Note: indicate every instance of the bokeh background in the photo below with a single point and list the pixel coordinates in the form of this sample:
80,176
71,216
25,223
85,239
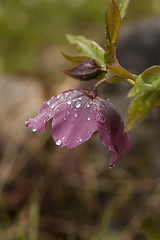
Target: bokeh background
50,193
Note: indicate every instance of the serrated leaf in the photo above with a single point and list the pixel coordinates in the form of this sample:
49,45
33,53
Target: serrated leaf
147,94
88,48
113,20
75,59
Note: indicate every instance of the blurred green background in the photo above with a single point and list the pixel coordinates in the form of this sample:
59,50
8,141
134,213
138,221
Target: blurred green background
30,28
50,193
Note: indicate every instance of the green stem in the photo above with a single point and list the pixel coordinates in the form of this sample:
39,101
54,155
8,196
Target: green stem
98,84
130,81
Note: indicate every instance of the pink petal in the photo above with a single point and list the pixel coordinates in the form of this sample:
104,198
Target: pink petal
76,120
112,131
39,123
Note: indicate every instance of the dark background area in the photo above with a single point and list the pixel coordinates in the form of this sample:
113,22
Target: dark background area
51,193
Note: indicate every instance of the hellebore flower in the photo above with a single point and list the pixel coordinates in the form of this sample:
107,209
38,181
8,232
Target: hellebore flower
77,114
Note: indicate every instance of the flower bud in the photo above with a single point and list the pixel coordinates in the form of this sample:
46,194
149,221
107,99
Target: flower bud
84,71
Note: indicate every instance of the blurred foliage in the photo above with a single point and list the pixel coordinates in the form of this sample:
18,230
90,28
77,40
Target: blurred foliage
29,27
48,193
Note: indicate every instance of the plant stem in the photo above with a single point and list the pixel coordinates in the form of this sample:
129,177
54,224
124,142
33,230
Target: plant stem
130,81
98,84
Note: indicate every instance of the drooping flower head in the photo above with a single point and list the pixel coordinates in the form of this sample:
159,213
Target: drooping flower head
77,114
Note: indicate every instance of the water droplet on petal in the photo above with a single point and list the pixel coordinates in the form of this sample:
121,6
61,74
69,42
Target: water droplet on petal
48,102
111,166
88,105
59,95
68,112
78,105
34,130
80,98
75,115
88,119
58,142
69,102
66,94
64,119
53,105
79,140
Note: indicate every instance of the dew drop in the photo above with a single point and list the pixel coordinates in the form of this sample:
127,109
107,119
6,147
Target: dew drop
78,105
66,94
58,142
111,166
80,98
75,115
69,102
88,119
26,122
64,119
34,130
68,112
88,105
59,95
48,102
53,105
79,140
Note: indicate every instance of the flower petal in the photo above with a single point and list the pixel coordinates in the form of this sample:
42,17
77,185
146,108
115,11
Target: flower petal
39,123
76,120
112,131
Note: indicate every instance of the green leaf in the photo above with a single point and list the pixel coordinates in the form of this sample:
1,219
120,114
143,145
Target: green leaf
113,20
88,48
75,59
122,5
147,94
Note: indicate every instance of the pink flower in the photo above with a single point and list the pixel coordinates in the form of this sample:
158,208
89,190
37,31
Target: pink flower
77,114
